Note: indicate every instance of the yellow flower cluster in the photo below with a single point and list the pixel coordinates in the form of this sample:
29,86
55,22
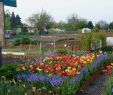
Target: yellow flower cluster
87,59
46,59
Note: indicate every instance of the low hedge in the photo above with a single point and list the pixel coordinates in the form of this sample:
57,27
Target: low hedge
9,71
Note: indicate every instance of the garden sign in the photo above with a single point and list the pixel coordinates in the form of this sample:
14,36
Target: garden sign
11,3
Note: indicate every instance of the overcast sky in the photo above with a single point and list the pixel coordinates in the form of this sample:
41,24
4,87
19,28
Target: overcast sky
94,10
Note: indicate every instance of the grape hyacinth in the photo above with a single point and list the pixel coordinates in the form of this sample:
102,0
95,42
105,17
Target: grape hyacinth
99,59
56,81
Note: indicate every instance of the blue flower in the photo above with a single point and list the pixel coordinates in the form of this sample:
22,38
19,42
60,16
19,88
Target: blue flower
56,81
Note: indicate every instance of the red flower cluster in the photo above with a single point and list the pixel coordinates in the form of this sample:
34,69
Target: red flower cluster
64,65
108,69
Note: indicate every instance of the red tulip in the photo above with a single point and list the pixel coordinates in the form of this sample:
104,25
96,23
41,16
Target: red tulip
58,69
108,72
76,67
41,66
109,67
35,66
64,73
52,57
73,73
104,70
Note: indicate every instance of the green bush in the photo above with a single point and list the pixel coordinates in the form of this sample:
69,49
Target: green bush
25,40
107,49
62,51
22,40
9,70
17,41
87,39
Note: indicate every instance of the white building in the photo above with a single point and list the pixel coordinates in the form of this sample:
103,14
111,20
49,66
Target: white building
86,30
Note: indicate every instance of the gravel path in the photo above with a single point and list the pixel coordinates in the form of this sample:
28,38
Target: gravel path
11,60
97,87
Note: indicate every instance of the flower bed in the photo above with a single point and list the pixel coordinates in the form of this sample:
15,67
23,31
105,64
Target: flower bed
62,74
108,71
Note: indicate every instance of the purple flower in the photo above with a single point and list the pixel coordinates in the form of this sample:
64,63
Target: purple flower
50,53
99,59
56,81
22,77
43,78
84,70
78,78
33,77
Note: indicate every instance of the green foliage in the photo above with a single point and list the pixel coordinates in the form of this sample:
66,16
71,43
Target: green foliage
62,51
22,40
20,88
15,20
8,70
109,87
41,21
75,23
25,40
7,23
87,39
111,26
107,49
17,41
90,25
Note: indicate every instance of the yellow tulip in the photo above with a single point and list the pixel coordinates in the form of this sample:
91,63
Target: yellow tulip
31,66
112,64
23,68
39,69
69,72
69,67
75,63
84,62
74,69
33,89
78,72
88,60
